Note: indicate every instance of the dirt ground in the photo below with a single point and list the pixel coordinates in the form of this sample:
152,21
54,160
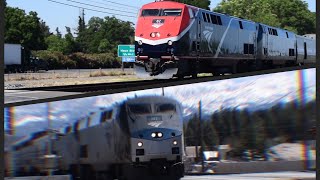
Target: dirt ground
67,77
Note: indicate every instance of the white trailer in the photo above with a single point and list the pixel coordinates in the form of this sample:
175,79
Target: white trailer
12,54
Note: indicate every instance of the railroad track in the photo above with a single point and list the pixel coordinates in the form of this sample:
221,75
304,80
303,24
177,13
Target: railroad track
98,86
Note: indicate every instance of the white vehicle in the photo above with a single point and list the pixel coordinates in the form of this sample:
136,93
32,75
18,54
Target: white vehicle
12,56
143,134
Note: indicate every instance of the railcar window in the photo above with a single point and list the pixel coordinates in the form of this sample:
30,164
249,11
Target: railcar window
82,124
150,12
140,108
287,34
83,151
204,17
275,32
165,108
291,52
68,129
240,24
171,12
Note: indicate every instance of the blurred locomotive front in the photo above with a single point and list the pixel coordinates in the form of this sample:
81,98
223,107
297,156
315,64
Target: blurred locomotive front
143,134
156,135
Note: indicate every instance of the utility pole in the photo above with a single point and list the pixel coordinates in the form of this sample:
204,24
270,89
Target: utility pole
162,91
50,136
201,139
303,121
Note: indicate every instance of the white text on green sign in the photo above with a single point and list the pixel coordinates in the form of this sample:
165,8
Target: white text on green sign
126,50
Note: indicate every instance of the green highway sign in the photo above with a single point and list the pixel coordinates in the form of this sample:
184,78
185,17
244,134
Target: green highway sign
126,51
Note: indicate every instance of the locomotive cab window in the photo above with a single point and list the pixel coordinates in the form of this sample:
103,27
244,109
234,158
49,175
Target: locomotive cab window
165,108
213,19
204,17
150,12
105,116
140,108
171,12
219,20
191,13
208,18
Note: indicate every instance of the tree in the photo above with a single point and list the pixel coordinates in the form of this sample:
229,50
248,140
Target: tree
56,43
59,35
204,4
28,30
71,45
288,14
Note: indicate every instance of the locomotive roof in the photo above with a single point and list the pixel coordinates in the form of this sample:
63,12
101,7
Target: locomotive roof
145,99
166,3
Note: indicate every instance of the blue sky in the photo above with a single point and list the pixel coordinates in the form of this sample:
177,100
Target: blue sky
57,15
252,92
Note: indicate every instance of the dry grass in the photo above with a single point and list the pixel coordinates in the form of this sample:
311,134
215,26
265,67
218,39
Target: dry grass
111,73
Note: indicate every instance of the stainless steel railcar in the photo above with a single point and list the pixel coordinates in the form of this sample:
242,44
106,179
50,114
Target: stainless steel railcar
175,39
142,134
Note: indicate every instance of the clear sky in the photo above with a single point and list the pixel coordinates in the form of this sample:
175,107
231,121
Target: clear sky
58,15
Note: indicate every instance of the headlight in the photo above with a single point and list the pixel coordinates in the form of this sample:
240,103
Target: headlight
174,142
153,34
140,144
153,135
158,34
160,134
169,42
140,42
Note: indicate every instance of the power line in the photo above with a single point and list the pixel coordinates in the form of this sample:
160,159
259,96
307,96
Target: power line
98,6
91,9
113,4
121,4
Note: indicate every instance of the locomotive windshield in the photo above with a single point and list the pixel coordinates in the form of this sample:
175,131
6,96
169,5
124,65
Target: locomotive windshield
150,12
161,12
165,108
171,12
140,108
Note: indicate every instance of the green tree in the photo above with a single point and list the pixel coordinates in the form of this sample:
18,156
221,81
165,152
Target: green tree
58,33
56,43
288,14
204,4
28,30
71,45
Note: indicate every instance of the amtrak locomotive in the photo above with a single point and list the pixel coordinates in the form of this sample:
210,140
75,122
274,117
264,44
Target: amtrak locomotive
143,134
175,39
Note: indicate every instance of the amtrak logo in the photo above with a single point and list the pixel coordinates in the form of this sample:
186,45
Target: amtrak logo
155,123
207,35
157,23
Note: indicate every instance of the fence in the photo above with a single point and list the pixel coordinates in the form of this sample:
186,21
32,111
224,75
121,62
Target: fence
67,73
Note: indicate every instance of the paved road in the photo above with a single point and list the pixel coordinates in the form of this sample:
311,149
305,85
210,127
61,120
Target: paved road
258,176
253,176
14,96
